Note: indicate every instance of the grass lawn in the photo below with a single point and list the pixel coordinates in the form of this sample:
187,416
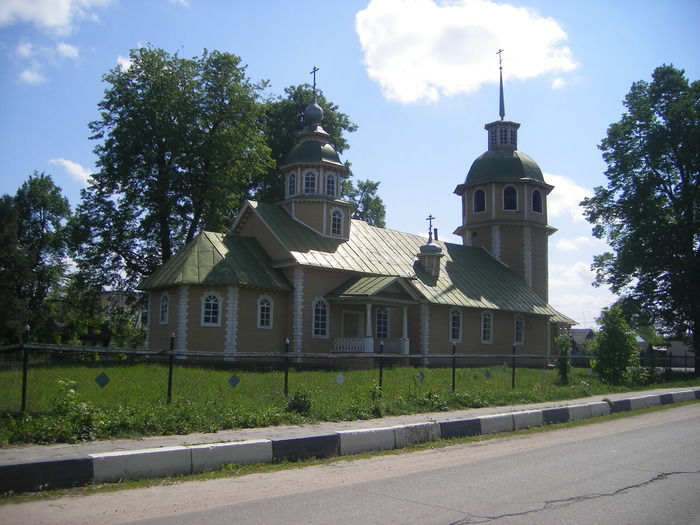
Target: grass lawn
65,403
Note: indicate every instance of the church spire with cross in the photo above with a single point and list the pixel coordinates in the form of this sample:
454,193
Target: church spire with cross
502,105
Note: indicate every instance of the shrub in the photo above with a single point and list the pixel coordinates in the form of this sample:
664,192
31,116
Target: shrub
563,343
615,348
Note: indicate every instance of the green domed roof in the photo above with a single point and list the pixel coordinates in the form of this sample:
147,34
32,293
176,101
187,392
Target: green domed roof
504,164
312,151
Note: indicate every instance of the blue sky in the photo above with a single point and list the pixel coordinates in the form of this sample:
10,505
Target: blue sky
419,77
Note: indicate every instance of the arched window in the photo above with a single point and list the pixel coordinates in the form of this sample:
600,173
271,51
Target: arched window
211,309
320,313
292,184
336,223
164,308
486,328
510,198
479,201
382,323
455,326
537,201
310,182
264,312
330,185
519,330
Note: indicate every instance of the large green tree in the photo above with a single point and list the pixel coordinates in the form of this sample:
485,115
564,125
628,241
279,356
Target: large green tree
42,216
14,275
370,207
180,143
650,210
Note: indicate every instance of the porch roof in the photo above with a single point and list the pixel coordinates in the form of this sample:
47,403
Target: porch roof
381,289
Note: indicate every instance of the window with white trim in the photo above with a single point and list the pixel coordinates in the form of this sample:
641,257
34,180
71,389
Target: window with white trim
382,323
336,223
211,309
519,330
455,325
486,328
164,308
292,184
510,198
479,201
310,182
537,201
320,318
330,185
265,305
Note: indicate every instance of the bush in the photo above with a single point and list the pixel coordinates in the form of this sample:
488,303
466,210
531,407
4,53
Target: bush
615,348
563,343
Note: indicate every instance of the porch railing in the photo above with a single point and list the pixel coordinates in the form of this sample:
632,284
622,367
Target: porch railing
369,345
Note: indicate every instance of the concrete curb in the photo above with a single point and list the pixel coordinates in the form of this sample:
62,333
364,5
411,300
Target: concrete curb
187,459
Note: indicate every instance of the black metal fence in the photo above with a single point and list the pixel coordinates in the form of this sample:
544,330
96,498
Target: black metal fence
33,376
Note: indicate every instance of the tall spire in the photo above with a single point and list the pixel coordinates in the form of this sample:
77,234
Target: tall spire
502,107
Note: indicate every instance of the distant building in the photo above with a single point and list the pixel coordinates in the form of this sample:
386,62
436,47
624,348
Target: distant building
304,270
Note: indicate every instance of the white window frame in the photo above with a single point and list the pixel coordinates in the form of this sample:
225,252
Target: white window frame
164,306
486,328
265,302
336,222
519,330
455,314
310,179
204,307
320,316
291,184
381,318
504,198
330,185
474,207
541,201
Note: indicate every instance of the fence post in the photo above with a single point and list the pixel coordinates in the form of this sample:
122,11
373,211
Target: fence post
25,366
454,365
170,369
512,382
286,367
381,363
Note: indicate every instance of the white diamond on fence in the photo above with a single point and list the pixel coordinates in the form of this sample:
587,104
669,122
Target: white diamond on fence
487,374
421,376
233,381
340,379
102,380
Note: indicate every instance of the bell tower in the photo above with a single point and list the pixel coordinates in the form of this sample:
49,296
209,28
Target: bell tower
504,204
313,174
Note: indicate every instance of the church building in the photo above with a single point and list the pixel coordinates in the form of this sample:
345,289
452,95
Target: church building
303,274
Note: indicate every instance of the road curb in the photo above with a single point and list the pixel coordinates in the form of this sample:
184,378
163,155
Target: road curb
187,459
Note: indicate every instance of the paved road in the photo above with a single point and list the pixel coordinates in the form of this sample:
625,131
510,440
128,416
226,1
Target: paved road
639,470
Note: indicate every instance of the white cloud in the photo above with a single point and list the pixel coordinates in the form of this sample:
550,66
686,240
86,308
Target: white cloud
573,245
74,169
421,50
124,63
32,76
67,51
56,16
566,197
576,275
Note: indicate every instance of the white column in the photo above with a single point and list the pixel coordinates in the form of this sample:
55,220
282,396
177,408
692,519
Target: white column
298,315
182,318
231,337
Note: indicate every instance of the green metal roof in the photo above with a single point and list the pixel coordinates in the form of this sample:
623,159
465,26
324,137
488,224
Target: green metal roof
313,151
469,276
385,289
504,165
218,259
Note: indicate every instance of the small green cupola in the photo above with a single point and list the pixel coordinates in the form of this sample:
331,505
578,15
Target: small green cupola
313,174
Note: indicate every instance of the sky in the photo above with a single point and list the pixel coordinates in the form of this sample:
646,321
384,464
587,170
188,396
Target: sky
418,77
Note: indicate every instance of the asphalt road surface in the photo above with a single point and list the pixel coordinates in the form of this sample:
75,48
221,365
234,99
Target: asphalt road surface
639,470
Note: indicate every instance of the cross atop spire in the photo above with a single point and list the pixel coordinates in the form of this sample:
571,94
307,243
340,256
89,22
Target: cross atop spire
313,72
502,105
430,228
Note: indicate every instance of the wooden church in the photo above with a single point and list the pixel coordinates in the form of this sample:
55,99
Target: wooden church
303,274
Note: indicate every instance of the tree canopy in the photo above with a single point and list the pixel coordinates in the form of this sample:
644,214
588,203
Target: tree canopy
180,144
650,210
